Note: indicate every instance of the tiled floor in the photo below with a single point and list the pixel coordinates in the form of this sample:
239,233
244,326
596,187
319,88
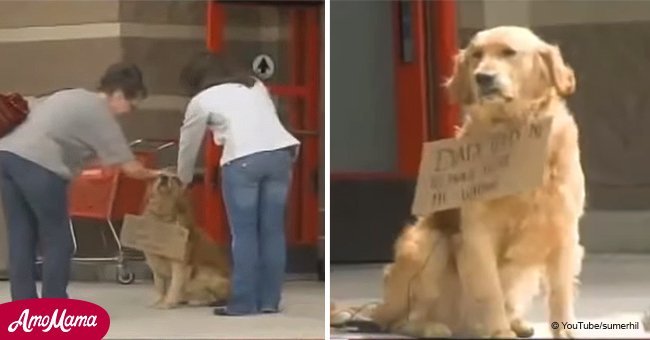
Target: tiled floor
614,289
303,315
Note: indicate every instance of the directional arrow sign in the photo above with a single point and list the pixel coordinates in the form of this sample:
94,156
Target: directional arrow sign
263,66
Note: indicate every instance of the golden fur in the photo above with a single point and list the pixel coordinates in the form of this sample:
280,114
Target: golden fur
479,278
204,277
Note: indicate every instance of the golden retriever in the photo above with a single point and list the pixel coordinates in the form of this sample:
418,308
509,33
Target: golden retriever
202,279
475,269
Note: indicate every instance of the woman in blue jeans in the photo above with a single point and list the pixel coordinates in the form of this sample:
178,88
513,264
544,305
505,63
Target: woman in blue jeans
256,163
41,156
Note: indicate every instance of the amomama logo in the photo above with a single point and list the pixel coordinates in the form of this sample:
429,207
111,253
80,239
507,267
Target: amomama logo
53,319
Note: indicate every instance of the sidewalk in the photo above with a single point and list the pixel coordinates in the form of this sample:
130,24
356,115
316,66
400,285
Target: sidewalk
303,315
615,288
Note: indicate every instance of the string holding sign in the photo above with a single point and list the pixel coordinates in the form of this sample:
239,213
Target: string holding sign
455,171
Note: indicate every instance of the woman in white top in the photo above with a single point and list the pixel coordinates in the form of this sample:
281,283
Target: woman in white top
256,165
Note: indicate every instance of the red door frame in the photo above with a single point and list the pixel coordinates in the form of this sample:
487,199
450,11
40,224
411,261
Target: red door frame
305,55
446,30
412,86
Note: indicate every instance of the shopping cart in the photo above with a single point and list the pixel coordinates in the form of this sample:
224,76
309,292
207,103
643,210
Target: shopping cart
105,194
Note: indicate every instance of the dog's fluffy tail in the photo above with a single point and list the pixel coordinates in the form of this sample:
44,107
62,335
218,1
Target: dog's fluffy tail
421,255
210,283
217,284
220,287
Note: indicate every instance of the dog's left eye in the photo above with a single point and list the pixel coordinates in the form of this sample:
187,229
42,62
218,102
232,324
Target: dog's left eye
508,52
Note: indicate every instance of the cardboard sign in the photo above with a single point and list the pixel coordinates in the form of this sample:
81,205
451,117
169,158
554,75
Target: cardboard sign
152,236
456,171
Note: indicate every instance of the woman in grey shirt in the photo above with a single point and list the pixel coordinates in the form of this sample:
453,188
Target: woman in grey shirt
40,157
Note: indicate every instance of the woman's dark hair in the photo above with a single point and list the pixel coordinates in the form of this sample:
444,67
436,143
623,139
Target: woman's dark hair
207,69
126,77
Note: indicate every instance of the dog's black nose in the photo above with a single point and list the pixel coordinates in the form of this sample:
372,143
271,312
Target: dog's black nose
484,79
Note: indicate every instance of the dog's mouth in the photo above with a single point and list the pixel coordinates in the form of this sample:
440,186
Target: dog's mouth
489,91
163,188
166,191
494,95
166,188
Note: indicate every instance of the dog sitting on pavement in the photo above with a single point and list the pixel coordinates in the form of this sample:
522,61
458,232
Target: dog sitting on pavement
203,278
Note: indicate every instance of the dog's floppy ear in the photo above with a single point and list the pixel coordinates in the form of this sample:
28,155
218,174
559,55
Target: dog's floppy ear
459,85
561,74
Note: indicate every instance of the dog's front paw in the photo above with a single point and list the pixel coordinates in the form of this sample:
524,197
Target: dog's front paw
478,331
427,330
166,304
436,330
522,328
157,301
481,331
409,328
199,303
562,333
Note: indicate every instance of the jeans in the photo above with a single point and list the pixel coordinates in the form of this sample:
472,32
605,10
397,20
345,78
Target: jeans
255,191
36,208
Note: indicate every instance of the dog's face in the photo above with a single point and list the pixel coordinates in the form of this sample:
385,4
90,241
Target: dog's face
165,196
506,64
167,185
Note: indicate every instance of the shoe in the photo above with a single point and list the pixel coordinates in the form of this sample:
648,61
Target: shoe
269,310
223,311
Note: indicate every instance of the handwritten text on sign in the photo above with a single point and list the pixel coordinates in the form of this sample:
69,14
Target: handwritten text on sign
456,171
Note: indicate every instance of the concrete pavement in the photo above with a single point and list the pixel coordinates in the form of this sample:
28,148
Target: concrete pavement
614,289
303,316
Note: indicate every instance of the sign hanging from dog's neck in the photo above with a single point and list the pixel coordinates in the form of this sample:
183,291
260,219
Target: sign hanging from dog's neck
461,170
